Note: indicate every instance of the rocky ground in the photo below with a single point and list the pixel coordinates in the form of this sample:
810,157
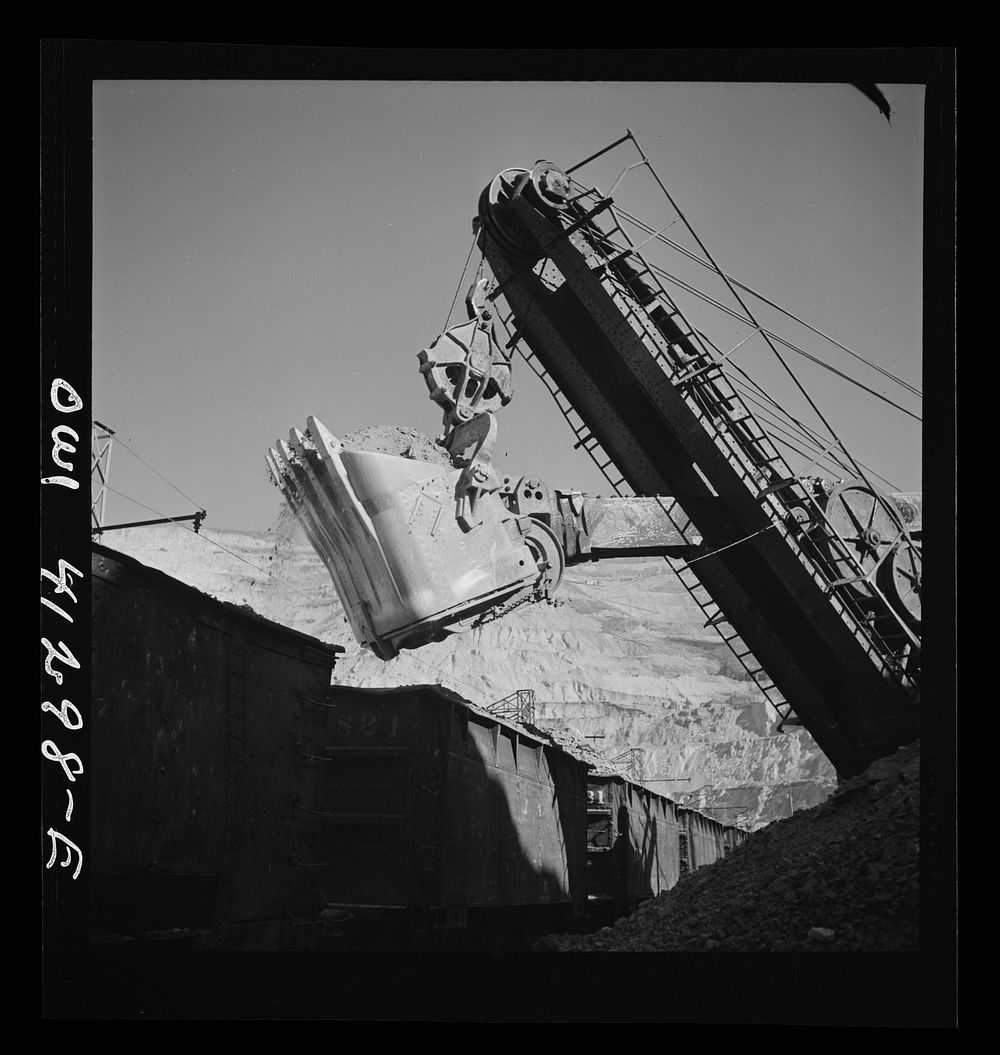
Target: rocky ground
842,876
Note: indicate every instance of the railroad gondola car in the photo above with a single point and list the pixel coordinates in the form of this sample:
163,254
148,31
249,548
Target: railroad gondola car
196,734
633,845
464,829
241,801
705,840
732,837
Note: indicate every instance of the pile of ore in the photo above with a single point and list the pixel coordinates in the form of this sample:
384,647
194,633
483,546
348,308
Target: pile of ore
843,876
399,440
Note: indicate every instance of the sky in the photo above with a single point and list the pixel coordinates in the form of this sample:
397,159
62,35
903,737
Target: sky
266,251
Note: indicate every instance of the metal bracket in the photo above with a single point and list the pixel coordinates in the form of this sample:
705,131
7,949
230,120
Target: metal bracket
471,447
601,206
198,519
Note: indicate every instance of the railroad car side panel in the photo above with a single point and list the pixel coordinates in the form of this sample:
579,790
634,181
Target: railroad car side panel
271,736
384,780
633,842
197,714
159,731
653,844
514,818
570,809
705,839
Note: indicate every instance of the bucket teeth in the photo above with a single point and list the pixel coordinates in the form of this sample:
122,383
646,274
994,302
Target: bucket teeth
405,571
277,478
319,499
321,435
303,441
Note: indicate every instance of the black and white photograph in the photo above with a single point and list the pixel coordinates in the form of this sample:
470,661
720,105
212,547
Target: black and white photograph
500,544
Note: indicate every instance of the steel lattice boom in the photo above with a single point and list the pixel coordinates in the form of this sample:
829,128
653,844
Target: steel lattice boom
816,589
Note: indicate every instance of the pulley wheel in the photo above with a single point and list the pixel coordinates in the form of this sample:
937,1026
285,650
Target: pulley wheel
866,529
543,543
509,235
551,185
900,579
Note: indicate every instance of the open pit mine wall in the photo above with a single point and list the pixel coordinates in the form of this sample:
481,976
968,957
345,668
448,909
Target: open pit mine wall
620,661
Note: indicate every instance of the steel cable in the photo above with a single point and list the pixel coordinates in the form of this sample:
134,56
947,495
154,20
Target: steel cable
791,373
760,296
159,474
218,545
769,337
461,281
748,318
